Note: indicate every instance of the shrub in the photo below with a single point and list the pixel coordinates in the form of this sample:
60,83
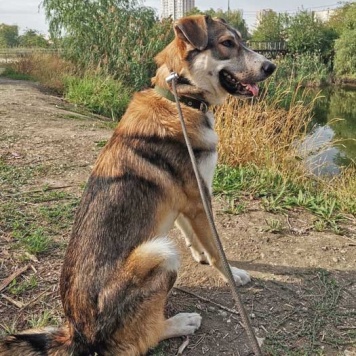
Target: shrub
101,94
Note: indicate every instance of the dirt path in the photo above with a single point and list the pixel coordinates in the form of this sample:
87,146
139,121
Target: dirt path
302,300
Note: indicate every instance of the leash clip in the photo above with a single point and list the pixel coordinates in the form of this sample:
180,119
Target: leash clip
172,76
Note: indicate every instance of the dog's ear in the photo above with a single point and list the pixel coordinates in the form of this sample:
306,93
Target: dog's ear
194,30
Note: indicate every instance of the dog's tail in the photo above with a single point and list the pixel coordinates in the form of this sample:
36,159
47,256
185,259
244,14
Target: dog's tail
37,342
158,254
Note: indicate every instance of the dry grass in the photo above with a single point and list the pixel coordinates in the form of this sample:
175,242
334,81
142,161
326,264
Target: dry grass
49,69
261,132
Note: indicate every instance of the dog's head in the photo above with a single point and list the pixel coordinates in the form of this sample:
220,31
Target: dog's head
210,54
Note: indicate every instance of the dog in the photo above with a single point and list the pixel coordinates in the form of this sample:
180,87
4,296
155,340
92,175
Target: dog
120,265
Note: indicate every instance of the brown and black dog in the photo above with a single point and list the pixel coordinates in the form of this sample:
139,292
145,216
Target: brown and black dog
120,265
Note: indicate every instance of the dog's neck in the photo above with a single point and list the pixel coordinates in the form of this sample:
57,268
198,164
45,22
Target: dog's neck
189,101
189,94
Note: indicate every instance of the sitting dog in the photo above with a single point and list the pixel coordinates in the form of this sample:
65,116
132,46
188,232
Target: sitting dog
120,265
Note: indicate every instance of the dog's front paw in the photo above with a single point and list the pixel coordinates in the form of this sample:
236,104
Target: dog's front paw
241,277
200,257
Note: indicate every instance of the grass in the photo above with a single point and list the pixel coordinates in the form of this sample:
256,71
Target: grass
261,154
100,94
32,218
277,193
97,92
41,320
11,73
18,288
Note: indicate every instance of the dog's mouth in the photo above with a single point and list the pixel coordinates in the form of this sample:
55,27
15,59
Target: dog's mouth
229,82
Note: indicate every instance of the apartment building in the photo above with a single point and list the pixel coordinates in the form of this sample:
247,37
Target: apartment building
176,8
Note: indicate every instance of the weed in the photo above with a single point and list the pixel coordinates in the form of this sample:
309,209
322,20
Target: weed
235,207
10,328
17,288
34,239
40,320
320,225
273,225
101,143
160,350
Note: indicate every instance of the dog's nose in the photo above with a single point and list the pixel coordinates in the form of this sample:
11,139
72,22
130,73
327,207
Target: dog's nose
268,67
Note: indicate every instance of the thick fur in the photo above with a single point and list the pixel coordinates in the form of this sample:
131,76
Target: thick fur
119,266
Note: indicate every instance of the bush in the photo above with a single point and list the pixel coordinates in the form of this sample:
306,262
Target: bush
345,54
102,95
301,69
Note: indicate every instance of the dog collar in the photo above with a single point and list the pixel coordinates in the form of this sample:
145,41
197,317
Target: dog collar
186,100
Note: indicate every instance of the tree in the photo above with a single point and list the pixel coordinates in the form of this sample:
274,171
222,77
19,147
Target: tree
233,17
345,46
8,35
31,38
116,36
308,34
343,18
271,27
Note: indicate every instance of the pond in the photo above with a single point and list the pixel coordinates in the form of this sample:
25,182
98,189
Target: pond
334,120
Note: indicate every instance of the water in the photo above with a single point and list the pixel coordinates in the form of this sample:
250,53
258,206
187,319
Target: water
334,120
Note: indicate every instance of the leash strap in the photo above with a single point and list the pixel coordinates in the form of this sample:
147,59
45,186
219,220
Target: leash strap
234,290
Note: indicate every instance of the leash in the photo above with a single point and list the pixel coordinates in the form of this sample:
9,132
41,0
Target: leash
172,78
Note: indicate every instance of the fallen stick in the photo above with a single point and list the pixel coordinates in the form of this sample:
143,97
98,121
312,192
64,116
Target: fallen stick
12,301
9,279
208,301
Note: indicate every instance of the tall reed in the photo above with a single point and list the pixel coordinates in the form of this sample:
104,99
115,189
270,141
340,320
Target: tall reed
260,131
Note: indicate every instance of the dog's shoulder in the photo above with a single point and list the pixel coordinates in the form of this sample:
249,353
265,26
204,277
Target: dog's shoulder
149,114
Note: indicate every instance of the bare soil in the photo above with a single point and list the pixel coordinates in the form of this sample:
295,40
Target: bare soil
302,299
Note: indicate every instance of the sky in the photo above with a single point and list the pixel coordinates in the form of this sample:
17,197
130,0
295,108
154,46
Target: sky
27,14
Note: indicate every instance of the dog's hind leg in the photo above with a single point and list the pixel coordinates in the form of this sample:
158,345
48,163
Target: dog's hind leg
151,269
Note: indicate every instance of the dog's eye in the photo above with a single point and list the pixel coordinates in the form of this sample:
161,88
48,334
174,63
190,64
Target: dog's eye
228,43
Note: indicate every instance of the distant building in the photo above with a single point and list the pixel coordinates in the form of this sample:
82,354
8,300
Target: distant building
324,15
176,8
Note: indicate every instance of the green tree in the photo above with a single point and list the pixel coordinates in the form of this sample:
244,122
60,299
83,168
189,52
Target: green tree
271,27
118,37
345,54
343,18
345,46
8,35
233,17
31,38
308,34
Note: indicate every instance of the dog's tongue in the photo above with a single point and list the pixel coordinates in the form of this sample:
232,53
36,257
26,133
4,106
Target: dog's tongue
253,88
